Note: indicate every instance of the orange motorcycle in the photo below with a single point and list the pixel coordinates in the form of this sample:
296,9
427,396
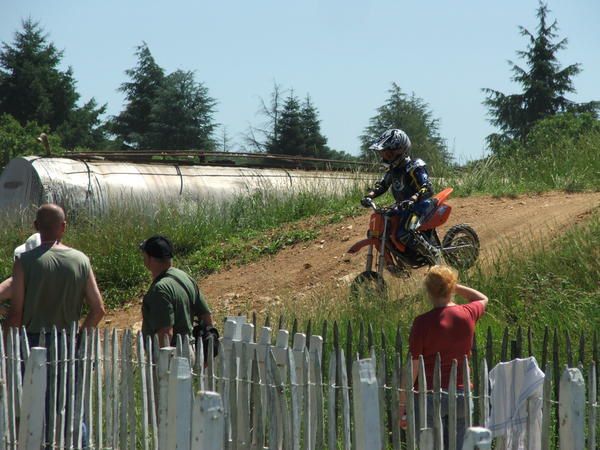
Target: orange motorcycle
459,248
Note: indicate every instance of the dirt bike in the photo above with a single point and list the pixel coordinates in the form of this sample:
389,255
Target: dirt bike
459,248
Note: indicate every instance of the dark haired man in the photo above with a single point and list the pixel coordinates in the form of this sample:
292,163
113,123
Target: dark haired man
173,299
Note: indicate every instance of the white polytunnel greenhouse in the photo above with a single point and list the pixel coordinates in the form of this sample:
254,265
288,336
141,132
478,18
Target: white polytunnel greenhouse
98,185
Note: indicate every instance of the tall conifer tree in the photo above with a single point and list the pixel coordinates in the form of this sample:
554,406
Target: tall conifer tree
411,114
545,86
132,125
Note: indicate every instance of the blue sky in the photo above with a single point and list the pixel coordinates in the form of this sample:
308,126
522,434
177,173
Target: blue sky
345,53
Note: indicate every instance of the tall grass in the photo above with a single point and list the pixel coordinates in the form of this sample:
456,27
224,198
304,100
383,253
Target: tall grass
568,164
207,235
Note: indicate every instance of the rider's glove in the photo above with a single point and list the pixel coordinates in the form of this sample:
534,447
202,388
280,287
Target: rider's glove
366,202
406,204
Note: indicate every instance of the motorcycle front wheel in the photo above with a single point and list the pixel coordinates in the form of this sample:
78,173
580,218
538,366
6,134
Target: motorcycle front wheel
460,247
368,284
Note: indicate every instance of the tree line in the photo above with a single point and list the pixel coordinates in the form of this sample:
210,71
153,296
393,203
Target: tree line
168,111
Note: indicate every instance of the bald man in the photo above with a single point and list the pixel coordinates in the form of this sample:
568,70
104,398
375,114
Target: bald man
52,281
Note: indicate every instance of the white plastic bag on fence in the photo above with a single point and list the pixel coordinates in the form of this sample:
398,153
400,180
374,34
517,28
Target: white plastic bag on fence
516,401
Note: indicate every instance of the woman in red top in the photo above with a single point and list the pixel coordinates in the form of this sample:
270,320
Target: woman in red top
448,330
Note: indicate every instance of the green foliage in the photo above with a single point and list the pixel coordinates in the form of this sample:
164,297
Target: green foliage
17,140
182,115
132,125
291,127
565,147
411,114
544,83
34,89
315,144
164,111
289,131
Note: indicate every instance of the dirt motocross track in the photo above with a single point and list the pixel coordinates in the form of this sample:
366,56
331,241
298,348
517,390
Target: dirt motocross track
308,267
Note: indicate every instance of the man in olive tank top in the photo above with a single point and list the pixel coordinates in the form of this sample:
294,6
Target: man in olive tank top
52,281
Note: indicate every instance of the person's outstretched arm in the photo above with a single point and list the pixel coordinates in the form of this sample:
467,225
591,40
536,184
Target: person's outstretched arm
470,294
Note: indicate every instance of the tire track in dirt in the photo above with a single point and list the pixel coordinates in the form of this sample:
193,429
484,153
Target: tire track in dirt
296,271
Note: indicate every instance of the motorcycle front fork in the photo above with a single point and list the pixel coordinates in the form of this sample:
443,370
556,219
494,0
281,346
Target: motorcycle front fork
381,259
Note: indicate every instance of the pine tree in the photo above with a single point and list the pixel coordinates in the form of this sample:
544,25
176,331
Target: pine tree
315,143
544,83
132,125
289,133
412,115
182,114
263,137
34,89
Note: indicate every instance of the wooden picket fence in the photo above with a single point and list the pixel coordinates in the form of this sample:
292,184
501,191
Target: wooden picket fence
108,389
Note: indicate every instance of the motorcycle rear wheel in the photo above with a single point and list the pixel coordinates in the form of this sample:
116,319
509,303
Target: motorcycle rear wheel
368,284
460,247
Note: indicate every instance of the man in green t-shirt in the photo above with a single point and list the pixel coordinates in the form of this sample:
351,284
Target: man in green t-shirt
51,282
173,299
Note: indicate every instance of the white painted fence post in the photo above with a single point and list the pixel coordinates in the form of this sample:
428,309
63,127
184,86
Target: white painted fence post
367,421
477,437
208,422
34,395
165,356
179,405
571,410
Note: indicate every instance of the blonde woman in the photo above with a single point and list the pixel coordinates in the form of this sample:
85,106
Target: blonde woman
446,329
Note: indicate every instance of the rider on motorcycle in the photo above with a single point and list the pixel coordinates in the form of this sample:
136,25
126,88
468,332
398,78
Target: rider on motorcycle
410,186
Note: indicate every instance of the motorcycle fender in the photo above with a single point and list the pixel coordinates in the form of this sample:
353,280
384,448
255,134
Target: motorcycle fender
365,242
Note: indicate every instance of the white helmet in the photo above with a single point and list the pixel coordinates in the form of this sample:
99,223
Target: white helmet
394,139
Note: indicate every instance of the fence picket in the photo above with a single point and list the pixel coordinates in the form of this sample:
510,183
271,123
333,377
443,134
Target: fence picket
396,380
331,412
80,387
166,354
366,408
256,408
410,405
484,395
504,347
592,406
489,347
243,437
34,392
141,355
207,416
231,380
380,370
3,394
315,378
452,410
547,407
151,383
70,432
294,401
425,433
179,404
438,432
466,377
53,387
345,402
571,410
